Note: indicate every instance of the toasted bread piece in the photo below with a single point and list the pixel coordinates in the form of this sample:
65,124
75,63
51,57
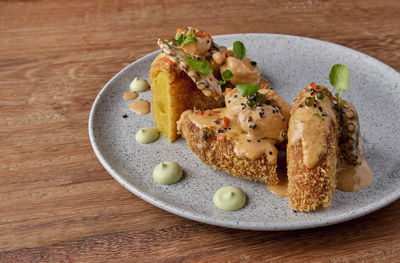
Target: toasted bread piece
172,93
221,155
312,187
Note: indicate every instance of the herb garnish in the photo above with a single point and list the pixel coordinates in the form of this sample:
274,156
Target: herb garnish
339,79
226,75
247,90
239,50
199,65
319,116
183,40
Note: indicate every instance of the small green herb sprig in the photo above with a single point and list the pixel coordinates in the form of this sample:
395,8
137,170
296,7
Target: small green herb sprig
247,90
239,50
339,79
226,75
183,40
199,65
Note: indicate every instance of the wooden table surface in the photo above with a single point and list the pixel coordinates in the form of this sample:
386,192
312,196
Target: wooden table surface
57,203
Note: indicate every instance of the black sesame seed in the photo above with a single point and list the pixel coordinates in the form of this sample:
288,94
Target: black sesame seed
253,63
261,113
125,116
252,126
235,96
220,131
324,114
229,101
320,108
273,111
270,153
249,119
242,104
283,119
258,141
315,105
268,102
248,140
299,106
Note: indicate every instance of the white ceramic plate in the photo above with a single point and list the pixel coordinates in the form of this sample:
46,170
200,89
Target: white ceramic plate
290,63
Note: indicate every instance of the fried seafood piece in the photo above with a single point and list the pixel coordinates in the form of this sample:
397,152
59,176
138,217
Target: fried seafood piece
172,93
239,139
312,151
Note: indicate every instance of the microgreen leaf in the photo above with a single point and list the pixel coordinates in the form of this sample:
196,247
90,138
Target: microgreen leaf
227,75
179,38
247,90
222,82
239,50
200,65
339,79
188,39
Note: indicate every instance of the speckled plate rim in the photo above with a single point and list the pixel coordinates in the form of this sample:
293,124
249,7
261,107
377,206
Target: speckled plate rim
220,222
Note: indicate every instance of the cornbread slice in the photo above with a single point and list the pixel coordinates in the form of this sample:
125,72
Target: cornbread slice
172,93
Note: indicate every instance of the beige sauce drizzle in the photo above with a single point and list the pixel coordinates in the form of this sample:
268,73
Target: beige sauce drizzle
354,178
309,126
140,107
130,95
249,142
280,189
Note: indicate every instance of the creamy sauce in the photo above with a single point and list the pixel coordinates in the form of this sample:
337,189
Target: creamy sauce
198,48
309,125
140,107
253,131
167,173
243,71
130,95
280,189
229,198
354,178
146,135
138,85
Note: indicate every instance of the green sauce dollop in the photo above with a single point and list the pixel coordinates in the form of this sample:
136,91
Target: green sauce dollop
229,198
167,173
139,85
146,135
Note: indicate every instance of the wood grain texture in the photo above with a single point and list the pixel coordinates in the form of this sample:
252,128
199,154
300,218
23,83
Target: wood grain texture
57,203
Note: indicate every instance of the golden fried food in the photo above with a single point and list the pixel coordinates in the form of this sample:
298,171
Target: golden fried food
312,151
240,138
221,154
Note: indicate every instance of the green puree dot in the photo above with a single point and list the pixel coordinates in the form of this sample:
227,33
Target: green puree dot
229,198
146,135
167,173
138,85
